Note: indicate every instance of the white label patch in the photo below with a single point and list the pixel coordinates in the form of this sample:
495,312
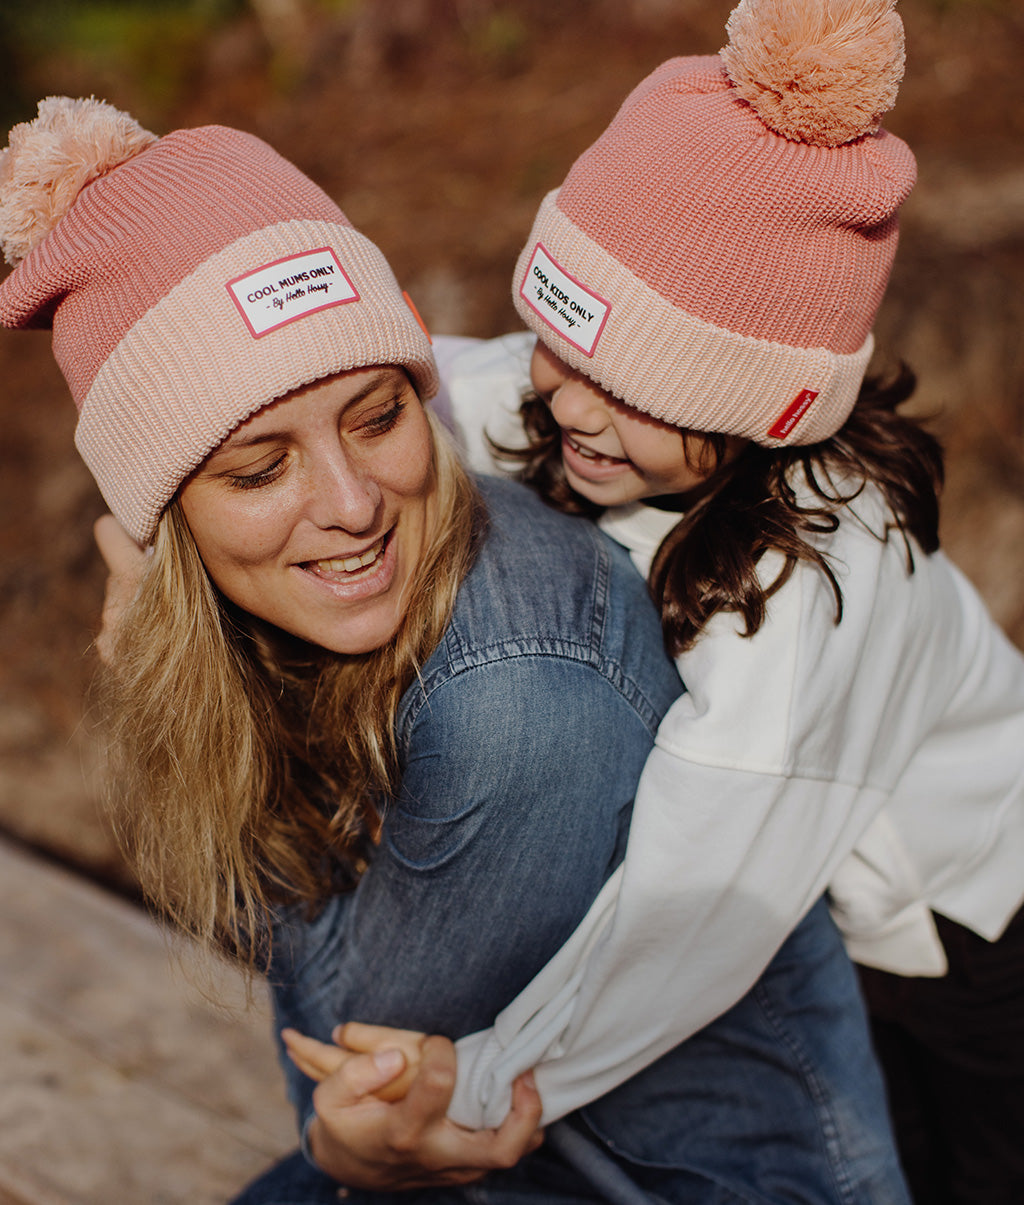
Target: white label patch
568,307
289,289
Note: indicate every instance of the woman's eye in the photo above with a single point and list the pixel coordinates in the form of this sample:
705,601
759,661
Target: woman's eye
250,481
384,420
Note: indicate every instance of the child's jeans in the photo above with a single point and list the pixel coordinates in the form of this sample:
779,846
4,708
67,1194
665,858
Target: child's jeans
779,1100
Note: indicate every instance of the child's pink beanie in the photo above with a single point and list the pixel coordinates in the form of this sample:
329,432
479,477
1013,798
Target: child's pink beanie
189,281
717,257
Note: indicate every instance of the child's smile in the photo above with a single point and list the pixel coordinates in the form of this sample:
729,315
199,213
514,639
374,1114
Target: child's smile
594,461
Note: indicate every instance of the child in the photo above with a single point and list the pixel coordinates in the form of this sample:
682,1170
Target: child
701,289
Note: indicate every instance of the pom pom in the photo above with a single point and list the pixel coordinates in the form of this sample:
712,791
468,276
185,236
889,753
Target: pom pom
50,160
817,71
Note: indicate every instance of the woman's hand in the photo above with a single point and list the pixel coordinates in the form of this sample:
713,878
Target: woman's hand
366,1142
125,561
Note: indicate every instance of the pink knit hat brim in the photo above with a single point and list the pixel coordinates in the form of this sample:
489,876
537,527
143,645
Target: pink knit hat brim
653,355
192,367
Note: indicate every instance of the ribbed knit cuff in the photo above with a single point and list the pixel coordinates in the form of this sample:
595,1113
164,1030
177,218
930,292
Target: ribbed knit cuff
663,361
191,369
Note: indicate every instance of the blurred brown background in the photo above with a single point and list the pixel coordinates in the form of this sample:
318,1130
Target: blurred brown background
437,125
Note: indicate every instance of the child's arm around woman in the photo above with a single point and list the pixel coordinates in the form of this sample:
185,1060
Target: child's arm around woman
894,734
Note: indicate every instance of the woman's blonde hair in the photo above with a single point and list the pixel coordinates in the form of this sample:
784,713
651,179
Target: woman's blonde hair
246,764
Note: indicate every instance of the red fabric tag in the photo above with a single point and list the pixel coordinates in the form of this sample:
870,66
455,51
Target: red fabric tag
793,413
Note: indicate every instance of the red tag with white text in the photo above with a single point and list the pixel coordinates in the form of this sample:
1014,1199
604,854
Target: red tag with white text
793,413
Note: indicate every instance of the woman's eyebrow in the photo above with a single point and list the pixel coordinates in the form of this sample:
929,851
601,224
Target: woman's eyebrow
236,440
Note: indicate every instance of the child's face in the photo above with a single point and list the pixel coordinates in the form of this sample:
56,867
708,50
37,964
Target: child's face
612,453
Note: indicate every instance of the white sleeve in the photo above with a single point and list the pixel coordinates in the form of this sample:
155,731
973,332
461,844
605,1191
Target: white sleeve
732,839
657,959
482,384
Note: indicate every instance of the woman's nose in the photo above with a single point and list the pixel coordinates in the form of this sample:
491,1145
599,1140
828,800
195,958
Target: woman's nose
343,495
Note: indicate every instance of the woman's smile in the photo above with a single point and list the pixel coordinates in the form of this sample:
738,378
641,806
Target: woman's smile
355,576
348,565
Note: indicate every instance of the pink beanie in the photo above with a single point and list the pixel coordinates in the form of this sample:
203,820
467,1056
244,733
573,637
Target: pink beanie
189,281
717,257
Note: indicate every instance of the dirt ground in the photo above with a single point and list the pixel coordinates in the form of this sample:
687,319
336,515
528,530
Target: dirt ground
438,125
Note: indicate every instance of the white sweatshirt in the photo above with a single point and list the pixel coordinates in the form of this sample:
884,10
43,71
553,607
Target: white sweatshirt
882,759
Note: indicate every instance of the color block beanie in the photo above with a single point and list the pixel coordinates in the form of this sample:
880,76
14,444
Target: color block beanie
717,257
189,281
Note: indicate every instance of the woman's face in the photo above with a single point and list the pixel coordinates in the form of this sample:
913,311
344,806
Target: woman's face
312,515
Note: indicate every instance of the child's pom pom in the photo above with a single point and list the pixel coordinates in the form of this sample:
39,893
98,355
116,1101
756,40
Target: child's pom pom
817,71
50,160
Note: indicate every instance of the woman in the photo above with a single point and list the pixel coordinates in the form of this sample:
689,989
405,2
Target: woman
344,665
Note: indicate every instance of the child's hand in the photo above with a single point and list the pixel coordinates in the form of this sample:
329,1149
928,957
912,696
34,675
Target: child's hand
316,1059
319,1060
365,1142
